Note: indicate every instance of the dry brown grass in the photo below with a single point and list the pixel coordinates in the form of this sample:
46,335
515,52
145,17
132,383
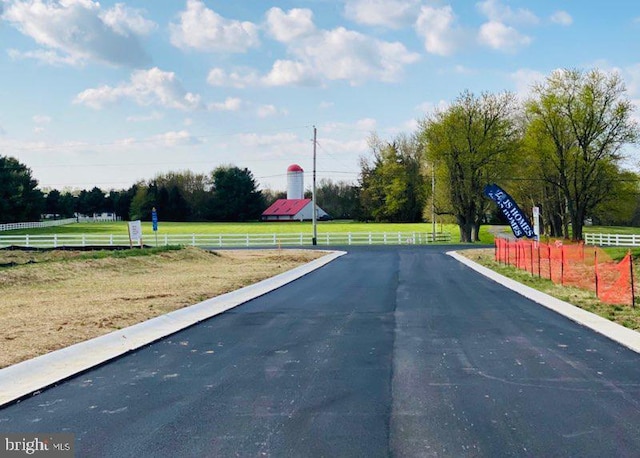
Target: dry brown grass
587,300
55,299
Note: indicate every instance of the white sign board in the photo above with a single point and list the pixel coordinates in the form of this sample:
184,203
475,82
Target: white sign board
135,232
536,222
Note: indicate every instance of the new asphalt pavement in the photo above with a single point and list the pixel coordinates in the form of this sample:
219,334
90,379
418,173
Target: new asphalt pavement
386,351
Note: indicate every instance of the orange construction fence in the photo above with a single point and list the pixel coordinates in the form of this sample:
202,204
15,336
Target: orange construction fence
585,267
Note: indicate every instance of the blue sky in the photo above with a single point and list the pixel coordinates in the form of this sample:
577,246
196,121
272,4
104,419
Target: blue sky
107,93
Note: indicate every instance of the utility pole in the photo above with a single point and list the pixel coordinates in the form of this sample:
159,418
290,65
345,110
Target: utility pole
433,202
314,240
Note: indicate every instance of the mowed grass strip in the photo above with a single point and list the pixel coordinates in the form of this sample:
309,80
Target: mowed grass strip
622,314
293,227
55,299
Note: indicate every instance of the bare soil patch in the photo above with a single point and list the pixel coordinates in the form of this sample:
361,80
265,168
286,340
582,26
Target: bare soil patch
50,300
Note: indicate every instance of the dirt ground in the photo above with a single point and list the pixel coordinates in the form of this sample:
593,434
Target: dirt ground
54,299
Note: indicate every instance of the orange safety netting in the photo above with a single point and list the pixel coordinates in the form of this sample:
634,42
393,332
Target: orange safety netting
577,265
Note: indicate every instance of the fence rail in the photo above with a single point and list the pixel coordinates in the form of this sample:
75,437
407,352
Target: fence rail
225,240
629,240
36,224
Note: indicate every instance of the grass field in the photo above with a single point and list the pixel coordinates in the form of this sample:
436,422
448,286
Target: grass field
242,228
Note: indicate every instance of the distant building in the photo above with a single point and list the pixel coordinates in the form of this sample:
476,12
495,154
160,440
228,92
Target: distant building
295,207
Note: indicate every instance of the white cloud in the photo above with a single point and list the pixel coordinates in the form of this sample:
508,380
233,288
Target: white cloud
393,14
286,27
177,138
74,31
47,57
436,27
524,79
126,20
326,105
41,119
562,18
501,37
153,116
342,54
203,29
333,55
291,73
239,78
230,104
497,12
146,87
266,111
430,107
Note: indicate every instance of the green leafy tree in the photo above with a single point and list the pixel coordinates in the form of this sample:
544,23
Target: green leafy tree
475,140
234,195
392,183
20,200
339,199
586,120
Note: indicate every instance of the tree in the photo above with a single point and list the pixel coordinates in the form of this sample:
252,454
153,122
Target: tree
235,195
475,140
20,200
339,199
52,203
585,120
392,183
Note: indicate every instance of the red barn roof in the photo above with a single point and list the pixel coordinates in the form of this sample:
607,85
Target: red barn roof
286,207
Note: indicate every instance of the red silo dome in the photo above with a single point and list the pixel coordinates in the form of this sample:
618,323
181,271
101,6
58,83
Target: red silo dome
295,168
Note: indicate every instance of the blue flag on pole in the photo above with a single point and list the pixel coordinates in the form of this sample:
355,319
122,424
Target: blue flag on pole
520,224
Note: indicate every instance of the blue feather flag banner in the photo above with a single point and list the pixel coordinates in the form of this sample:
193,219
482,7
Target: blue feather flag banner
520,224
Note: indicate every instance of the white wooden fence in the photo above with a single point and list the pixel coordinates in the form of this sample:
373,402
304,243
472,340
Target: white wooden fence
225,240
36,224
612,239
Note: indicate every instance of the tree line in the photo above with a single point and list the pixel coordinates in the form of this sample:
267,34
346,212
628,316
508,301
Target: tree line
562,150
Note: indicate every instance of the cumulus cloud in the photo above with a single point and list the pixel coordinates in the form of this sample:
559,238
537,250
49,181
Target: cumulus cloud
393,14
146,87
125,20
501,37
436,27
230,104
74,31
266,111
177,138
286,27
562,18
496,11
524,79
202,29
499,32
319,55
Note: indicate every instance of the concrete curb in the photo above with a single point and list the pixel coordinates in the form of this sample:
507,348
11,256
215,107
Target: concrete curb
624,336
22,379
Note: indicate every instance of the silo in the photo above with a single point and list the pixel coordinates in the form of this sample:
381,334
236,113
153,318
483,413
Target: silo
295,182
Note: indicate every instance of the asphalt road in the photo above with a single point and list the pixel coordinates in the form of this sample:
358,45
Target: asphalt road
389,351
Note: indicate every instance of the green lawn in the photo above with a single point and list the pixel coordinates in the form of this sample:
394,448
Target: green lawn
240,228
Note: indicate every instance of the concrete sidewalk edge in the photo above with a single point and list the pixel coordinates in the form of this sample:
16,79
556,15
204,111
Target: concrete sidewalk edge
31,376
618,333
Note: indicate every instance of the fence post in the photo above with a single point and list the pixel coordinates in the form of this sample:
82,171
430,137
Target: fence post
633,293
84,240
349,237
55,240
193,239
